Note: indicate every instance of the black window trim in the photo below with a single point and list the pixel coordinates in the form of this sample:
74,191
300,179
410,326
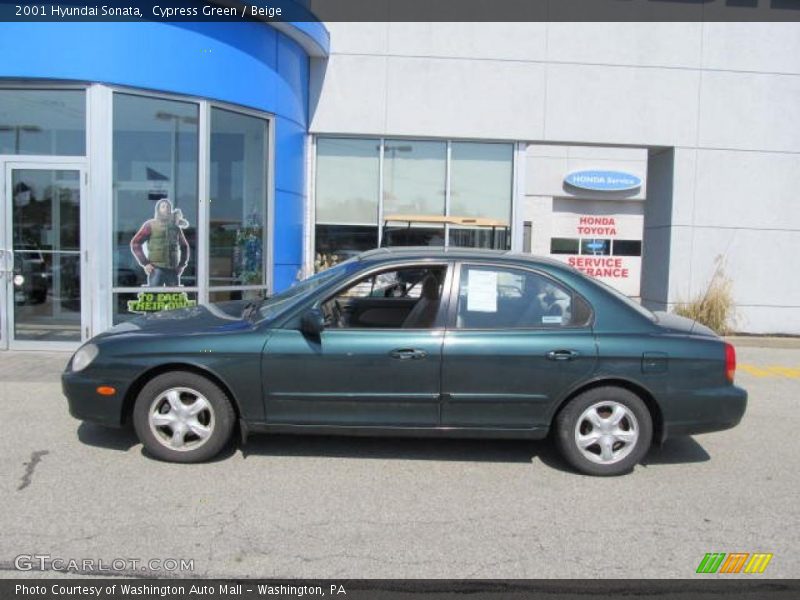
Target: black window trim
452,313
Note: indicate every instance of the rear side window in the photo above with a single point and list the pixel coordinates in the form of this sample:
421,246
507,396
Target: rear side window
506,298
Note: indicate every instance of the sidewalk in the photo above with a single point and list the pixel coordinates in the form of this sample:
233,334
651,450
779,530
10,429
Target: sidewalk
32,367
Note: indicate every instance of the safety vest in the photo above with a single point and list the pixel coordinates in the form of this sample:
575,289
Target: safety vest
163,249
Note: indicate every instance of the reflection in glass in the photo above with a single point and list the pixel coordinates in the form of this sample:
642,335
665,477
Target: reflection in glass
480,180
46,279
413,236
627,247
336,243
347,181
226,295
238,199
483,237
565,246
414,177
155,156
51,122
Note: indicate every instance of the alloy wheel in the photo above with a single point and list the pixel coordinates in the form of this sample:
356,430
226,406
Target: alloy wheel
606,432
181,419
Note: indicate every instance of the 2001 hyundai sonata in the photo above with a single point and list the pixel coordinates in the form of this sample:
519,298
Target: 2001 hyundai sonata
416,342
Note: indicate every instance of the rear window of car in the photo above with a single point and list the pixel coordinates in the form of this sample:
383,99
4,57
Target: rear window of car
506,298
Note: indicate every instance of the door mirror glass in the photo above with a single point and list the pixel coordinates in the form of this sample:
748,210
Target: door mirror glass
312,322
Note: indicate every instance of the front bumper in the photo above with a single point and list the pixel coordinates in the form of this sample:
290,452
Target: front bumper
704,411
87,405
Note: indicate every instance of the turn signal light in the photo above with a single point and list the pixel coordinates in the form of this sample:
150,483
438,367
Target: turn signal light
730,362
106,390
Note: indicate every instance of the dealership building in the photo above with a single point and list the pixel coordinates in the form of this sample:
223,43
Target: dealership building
154,165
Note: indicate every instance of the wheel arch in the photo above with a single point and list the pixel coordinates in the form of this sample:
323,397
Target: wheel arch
642,392
142,379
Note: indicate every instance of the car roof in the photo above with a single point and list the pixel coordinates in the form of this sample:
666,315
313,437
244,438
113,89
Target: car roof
427,252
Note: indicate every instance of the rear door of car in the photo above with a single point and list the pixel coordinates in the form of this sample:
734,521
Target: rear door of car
374,370
516,341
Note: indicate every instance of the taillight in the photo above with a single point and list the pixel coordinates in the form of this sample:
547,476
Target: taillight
730,362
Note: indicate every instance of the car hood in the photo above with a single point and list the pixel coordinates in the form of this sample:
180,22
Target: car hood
210,318
673,322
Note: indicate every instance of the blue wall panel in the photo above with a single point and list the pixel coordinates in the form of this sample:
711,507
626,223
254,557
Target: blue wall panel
288,228
291,139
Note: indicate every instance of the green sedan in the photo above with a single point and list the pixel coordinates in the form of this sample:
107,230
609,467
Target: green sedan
415,341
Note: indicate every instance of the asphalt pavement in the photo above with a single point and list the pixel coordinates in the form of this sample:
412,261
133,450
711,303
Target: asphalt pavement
337,507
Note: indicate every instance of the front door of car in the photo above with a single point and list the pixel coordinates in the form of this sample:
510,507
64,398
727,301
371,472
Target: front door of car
376,363
517,340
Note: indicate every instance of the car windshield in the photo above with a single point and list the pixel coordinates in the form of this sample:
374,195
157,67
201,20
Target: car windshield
273,305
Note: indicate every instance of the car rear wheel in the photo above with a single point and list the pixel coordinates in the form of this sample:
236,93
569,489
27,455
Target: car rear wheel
183,417
604,431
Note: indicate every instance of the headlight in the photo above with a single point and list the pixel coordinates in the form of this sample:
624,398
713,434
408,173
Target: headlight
84,357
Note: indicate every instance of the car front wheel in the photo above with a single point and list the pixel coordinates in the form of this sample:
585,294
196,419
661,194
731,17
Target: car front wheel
183,417
604,431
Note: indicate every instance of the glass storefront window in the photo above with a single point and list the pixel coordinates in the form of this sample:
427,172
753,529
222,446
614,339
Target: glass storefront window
596,247
238,205
480,180
337,243
565,246
627,247
46,122
414,236
347,181
228,295
155,184
45,225
465,237
128,305
414,177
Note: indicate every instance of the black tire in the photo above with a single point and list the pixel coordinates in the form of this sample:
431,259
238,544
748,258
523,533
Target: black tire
219,419
629,454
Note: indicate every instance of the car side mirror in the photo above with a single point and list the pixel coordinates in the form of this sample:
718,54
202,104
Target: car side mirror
312,322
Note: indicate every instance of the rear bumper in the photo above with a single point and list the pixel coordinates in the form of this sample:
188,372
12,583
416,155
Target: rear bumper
87,405
705,411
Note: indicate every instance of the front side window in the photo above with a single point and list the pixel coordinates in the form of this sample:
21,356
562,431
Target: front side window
406,298
506,298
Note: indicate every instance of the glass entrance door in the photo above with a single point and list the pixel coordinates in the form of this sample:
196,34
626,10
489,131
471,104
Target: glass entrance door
41,261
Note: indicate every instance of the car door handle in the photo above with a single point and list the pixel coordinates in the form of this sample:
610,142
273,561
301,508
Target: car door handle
562,354
408,354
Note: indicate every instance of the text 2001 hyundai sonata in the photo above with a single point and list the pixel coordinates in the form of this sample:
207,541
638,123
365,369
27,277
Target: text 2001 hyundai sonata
416,342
